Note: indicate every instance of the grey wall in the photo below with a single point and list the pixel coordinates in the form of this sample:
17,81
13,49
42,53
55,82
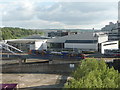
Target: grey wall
38,68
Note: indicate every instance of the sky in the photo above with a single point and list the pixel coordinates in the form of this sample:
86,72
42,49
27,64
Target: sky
56,14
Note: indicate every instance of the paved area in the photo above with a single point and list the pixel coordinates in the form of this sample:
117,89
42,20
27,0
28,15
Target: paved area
35,80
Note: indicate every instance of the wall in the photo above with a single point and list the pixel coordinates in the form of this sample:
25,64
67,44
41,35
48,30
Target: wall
32,46
102,39
45,46
113,46
39,68
40,45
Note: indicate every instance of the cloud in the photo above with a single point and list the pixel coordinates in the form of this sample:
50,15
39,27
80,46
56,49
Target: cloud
35,24
78,13
14,11
37,14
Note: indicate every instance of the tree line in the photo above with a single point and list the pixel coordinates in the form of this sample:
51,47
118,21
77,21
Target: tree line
15,33
94,74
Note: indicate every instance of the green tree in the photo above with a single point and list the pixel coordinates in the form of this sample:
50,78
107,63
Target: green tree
14,33
94,74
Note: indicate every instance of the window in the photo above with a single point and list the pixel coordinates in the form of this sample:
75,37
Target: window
81,41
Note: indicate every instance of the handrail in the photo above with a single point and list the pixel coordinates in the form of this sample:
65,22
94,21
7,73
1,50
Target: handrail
12,47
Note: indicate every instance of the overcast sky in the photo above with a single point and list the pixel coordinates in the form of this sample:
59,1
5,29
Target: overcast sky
48,14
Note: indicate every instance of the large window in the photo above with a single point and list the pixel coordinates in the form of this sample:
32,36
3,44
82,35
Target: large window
109,44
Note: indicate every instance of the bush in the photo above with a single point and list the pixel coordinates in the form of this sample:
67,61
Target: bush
94,74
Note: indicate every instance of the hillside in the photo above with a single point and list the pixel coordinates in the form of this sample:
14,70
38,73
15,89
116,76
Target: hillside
15,33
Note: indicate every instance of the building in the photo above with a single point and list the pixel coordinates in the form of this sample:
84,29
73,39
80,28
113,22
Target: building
109,45
113,35
112,30
28,44
119,30
60,33
111,26
33,42
84,41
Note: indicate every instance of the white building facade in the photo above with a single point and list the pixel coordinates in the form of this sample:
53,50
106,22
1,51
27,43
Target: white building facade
111,45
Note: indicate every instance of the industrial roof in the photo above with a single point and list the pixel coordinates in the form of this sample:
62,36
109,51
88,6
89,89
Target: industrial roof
80,36
24,40
29,39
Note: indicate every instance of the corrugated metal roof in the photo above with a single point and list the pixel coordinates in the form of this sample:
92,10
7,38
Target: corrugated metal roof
25,40
81,36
